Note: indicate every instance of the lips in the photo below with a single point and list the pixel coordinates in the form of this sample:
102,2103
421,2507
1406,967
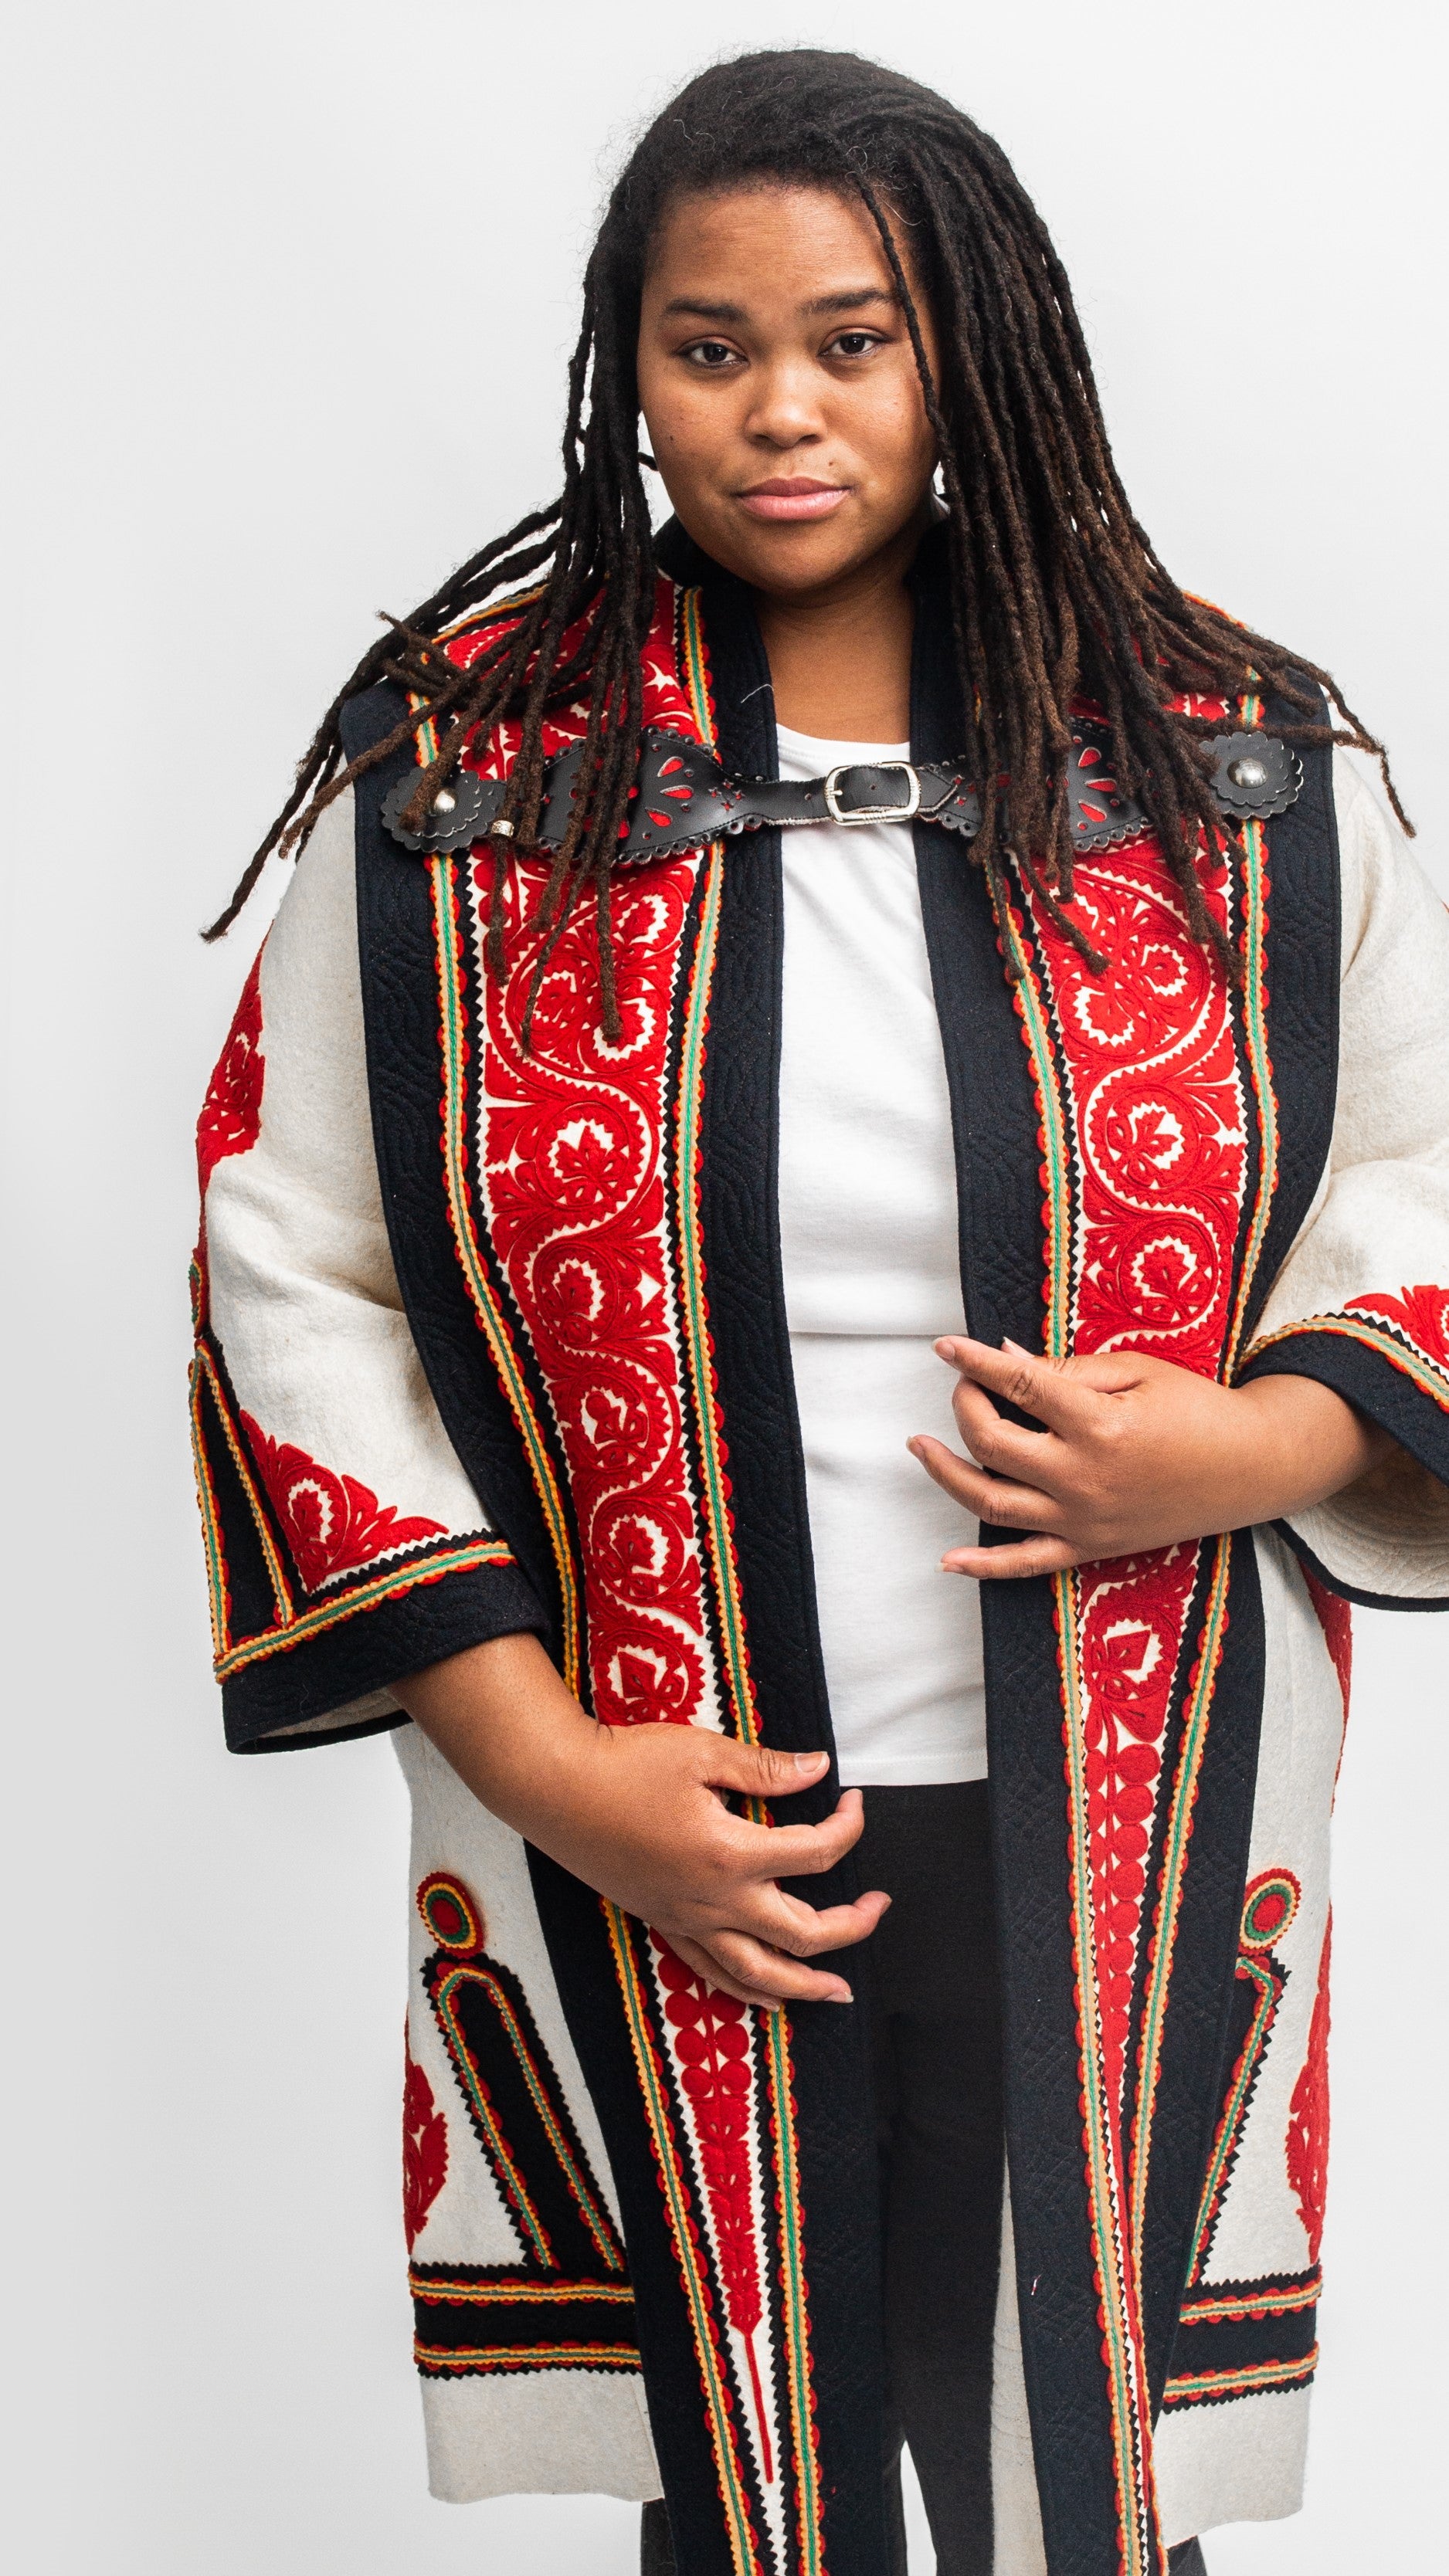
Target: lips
793,497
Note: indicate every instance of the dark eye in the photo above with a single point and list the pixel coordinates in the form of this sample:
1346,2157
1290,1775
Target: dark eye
712,354
854,344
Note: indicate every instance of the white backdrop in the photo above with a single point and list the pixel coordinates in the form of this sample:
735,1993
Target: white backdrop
294,285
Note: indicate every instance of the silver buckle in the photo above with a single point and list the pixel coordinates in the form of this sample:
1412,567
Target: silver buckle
850,816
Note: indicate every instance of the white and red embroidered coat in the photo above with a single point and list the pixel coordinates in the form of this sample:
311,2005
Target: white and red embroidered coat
492,1336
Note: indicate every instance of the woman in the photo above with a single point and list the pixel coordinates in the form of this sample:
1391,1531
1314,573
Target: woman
863,965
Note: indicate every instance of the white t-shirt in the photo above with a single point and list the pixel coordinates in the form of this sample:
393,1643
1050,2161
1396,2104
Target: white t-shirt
872,1275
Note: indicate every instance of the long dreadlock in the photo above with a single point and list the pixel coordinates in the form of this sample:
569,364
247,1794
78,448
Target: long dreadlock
1054,584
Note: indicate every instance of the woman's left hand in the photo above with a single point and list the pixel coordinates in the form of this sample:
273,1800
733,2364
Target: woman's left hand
1133,1454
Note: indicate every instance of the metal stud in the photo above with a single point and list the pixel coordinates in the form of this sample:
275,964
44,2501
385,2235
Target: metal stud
1248,772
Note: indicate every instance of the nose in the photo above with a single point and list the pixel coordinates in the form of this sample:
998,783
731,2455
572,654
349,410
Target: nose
785,411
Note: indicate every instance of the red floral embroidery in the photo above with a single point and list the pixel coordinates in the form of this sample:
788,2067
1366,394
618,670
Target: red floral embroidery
1131,1631
711,2039
333,1524
231,1114
1421,1315
425,2147
1308,2116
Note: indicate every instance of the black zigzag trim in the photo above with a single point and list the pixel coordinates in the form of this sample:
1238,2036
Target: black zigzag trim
1275,2348
474,2319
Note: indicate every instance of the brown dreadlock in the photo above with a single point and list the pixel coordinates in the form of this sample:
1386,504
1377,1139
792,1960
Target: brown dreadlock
1054,584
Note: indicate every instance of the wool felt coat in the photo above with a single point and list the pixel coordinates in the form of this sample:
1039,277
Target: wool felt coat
493,1338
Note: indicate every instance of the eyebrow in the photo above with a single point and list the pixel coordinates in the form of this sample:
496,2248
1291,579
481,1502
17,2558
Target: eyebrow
706,312
850,298
847,299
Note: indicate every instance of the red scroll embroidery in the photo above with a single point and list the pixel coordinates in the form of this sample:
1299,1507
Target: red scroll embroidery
231,1114
575,1134
1157,1131
333,1523
1158,1118
576,1191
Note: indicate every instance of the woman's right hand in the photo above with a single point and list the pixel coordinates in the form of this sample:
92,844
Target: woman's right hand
639,1813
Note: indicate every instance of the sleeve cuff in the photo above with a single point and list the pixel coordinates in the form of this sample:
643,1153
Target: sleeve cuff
333,1685
1359,1543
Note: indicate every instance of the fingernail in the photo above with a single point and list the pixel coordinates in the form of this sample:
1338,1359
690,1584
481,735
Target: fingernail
810,1761
838,1995
945,1350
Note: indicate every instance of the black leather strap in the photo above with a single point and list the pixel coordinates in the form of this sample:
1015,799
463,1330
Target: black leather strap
686,797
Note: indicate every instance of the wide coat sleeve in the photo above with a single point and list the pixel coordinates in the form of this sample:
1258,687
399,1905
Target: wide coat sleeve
1362,1301
345,1545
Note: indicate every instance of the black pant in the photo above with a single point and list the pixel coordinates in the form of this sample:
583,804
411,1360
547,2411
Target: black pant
927,1980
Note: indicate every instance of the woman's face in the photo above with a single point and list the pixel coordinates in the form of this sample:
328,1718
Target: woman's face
779,386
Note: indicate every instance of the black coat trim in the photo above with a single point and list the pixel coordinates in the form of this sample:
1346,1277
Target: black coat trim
400,1007
1244,2343
450,2331
1302,959
998,1157
740,1226
251,1602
